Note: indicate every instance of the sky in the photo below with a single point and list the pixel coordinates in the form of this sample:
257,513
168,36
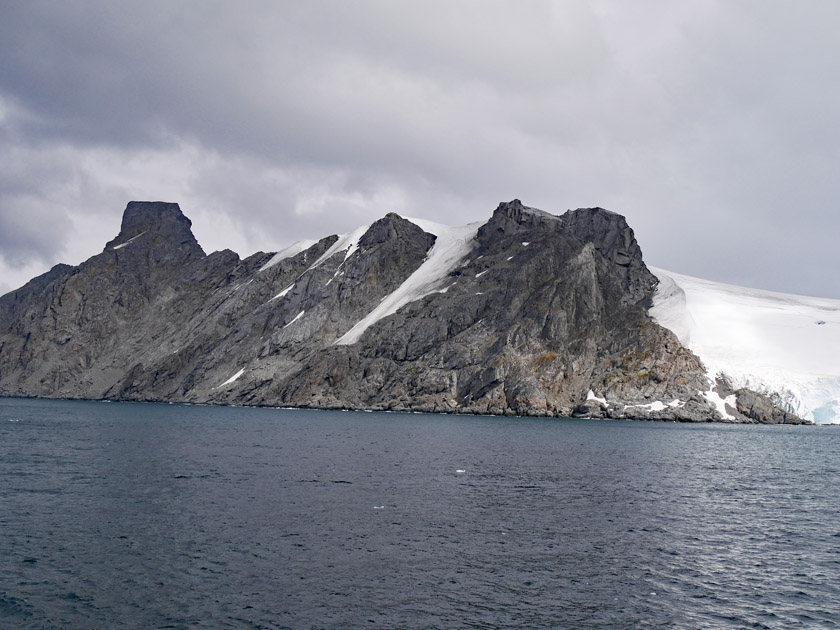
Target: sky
712,126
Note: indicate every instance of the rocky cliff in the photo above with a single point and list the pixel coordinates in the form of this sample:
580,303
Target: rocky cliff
528,314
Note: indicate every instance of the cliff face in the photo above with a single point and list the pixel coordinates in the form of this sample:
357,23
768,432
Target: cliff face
530,314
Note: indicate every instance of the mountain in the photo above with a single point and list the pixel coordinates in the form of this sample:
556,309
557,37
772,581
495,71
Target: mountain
527,314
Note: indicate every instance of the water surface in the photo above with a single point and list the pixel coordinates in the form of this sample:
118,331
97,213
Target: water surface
161,516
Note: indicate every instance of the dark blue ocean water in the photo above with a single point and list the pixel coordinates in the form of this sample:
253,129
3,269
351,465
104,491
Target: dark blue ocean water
158,516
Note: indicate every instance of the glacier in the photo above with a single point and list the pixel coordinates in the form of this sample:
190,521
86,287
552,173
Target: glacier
782,345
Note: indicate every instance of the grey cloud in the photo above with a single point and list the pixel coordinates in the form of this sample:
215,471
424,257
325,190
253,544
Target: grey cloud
712,126
30,232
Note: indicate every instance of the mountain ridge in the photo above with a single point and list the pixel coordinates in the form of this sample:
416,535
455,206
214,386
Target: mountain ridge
527,314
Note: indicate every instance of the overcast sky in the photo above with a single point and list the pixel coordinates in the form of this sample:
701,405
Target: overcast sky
714,127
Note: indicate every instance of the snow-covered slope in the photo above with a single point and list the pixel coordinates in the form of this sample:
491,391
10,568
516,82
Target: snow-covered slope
288,252
451,246
787,346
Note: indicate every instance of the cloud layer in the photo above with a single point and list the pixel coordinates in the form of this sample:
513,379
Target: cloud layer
711,125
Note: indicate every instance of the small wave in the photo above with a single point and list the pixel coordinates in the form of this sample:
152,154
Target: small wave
11,607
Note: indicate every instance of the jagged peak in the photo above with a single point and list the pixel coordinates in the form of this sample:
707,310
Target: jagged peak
513,217
393,226
521,213
146,215
603,227
155,217
596,215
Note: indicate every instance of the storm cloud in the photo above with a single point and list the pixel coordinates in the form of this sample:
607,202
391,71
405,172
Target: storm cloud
712,126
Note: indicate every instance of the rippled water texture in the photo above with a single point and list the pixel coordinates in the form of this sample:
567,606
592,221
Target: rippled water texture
157,516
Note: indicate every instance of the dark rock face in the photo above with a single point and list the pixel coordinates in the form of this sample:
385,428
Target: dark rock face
58,326
615,241
762,409
544,315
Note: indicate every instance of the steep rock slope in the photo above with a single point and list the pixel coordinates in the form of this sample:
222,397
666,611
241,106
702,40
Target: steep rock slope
58,327
530,314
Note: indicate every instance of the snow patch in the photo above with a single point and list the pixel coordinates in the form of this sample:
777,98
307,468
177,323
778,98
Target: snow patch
232,378
129,241
451,246
481,273
349,242
292,250
720,403
525,243
297,317
657,405
591,396
766,341
283,292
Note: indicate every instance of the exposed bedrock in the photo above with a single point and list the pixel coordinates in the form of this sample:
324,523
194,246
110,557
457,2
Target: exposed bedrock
542,315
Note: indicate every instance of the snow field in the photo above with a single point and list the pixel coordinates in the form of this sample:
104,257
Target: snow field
774,343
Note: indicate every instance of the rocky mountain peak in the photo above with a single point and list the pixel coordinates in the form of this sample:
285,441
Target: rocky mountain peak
155,218
591,223
614,239
513,218
523,215
393,227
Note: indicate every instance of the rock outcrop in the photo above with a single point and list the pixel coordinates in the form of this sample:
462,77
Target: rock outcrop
534,314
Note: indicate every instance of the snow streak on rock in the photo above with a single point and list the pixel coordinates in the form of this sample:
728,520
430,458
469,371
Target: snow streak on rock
292,250
451,246
233,378
283,292
349,242
297,317
129,241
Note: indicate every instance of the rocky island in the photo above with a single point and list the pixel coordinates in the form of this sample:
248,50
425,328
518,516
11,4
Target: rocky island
527,314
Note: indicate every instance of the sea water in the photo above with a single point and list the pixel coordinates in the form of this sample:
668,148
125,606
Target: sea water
116,515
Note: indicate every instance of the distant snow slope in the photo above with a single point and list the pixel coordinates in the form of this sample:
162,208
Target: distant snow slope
784,345
292,250
451,246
